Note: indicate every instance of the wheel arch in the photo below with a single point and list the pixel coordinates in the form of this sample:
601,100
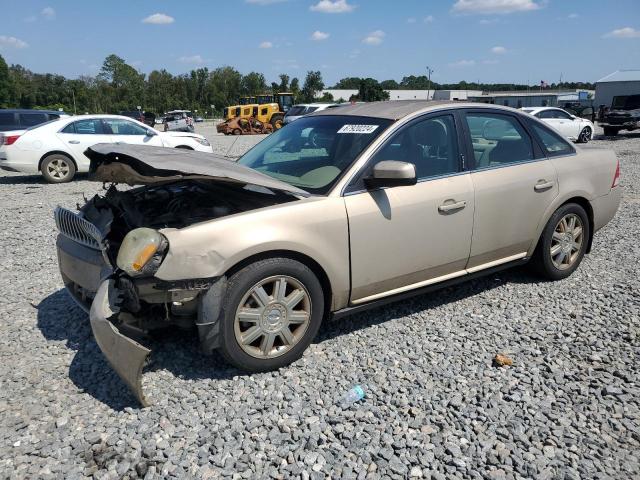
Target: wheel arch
312,264
184,147
56,152
579,200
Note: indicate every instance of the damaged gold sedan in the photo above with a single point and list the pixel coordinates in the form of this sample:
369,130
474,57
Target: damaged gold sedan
338,211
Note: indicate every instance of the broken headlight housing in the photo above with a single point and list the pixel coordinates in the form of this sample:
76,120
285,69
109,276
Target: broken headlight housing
142,252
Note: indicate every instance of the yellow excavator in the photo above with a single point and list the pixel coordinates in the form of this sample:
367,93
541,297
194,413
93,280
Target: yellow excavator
265,108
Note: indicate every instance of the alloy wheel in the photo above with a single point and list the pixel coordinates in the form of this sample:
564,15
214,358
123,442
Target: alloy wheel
585,135
272,317
566,241
58,168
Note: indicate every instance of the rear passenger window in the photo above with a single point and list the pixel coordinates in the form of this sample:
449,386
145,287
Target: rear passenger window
84,127
7,122
553,143
498,140
431,145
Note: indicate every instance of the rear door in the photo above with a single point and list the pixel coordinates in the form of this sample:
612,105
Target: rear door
514,184
410,236
80,135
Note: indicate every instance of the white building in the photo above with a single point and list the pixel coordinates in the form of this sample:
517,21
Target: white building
622,82
543,98
455,94
393,94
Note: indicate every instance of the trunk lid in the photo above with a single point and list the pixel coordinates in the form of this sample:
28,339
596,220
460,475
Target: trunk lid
143,165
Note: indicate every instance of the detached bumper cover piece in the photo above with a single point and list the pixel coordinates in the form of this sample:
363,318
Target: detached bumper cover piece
126,356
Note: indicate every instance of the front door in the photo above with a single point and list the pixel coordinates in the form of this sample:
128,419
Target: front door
514,184
134,133
406,237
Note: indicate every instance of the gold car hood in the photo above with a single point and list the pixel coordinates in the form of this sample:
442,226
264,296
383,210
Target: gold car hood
143,165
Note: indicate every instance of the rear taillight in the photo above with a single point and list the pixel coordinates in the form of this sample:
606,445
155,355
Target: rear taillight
616,177
10,139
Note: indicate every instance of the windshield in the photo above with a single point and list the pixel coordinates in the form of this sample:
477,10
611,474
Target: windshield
296,110
313,152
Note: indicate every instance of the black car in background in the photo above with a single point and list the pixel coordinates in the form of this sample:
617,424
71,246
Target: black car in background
21,119
148,118
624,114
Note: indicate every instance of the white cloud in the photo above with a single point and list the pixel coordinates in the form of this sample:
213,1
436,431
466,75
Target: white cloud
332,6
463,63
491,62
196,59
626,32
411,20
159,19
264,2
573,15
12,42
374,38
500,7
429,19
266,45
319,36
48,13
499,50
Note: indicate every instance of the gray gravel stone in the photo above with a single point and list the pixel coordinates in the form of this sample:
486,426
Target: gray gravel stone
434,406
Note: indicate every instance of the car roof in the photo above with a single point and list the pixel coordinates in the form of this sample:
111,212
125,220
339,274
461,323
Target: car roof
392,110
31,110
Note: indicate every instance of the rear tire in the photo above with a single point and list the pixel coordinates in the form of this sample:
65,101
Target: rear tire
563,243
271,328
237,131
58,168
610,131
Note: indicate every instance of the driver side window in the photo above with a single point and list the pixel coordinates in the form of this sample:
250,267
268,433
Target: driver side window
430,144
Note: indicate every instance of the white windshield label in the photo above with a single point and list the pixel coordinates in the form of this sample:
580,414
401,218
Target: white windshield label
358,129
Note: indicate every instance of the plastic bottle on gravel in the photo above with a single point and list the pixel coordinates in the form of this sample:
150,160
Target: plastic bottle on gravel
355,394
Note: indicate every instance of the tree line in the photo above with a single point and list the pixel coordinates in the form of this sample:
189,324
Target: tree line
118,86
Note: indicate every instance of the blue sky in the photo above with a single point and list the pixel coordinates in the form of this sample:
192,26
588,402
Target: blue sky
474,40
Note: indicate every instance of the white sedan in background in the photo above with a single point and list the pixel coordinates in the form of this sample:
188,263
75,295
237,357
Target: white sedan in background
56,149
574,128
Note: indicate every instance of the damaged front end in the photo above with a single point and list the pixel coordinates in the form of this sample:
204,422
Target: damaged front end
110,250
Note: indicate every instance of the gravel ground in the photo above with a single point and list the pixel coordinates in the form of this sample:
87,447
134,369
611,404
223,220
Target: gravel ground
435,407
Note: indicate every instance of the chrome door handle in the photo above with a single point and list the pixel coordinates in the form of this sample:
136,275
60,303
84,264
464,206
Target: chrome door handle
449,207
75,142
542,185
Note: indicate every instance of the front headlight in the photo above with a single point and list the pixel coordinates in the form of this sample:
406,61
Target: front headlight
142,252
203,141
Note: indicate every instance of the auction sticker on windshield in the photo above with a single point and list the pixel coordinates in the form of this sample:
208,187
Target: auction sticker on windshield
358,129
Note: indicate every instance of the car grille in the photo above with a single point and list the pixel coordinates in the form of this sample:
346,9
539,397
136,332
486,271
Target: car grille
78,229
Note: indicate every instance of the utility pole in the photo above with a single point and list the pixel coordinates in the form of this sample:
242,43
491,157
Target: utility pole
73,94
429,72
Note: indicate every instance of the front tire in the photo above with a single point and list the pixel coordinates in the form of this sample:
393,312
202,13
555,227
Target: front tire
271,312
585,135
277,121
58,168
563,243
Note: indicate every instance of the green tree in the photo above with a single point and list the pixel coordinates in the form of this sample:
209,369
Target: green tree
253,84
284,82
390,85
225,86
349,83
123,84
313,85
371,91
5,83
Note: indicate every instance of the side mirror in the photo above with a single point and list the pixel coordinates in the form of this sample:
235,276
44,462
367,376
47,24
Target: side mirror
151,133
391,173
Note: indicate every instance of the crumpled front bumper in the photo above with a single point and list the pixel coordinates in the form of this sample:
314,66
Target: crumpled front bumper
126,356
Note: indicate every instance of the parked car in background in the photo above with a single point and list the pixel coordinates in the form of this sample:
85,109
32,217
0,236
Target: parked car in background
148,118
199,119
302,109
624,114
178,121
574,128
56,149
340,211
21,119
